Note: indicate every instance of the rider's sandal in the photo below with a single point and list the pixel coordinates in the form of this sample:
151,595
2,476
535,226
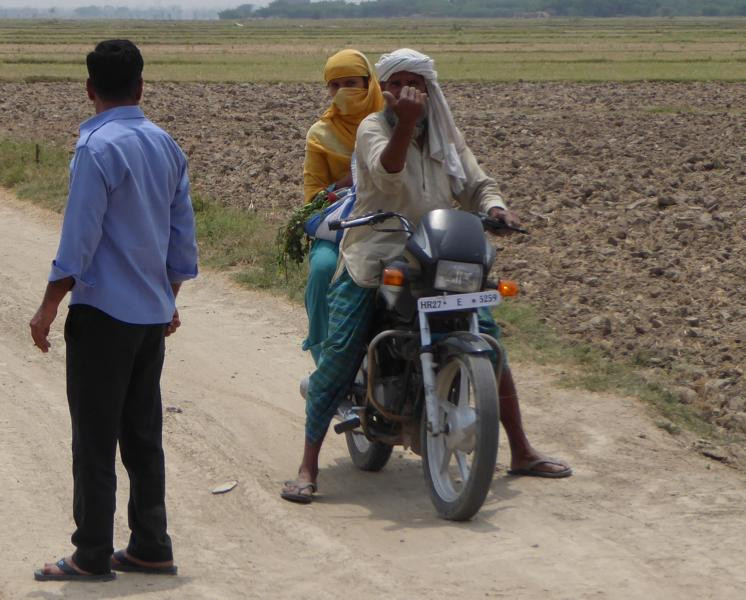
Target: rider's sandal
293,491
531,470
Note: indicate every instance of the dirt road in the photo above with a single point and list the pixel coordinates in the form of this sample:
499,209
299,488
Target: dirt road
644,516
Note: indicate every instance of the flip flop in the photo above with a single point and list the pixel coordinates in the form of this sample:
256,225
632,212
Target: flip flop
70,574
530,469
126,565
298,495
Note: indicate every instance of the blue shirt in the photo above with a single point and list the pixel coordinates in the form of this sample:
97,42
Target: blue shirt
128,231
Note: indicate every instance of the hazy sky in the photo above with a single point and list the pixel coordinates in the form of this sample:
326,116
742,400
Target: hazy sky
217,4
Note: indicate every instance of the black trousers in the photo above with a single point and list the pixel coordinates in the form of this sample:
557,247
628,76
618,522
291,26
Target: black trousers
113,389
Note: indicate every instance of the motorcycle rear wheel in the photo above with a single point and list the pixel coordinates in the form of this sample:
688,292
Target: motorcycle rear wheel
459,463
367,455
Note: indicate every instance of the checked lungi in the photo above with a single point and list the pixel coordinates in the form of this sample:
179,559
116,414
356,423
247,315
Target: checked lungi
350,316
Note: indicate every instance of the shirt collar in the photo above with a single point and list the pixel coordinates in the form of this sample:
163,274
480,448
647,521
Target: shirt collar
119,112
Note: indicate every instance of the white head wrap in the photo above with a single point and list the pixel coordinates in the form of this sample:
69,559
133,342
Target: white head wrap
444,138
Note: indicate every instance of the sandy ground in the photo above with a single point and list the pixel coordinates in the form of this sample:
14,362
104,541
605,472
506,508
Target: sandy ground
644,517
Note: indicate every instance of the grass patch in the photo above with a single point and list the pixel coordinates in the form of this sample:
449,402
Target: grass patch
35,172
528,337
229,239
464,49
243,244
669,110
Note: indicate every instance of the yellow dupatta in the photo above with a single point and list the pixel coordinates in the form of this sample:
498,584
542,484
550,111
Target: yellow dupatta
331,140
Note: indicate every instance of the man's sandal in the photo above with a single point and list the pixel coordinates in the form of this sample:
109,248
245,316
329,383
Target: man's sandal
120,562
70,574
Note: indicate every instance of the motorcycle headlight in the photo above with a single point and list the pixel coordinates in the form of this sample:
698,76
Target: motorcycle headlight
453,276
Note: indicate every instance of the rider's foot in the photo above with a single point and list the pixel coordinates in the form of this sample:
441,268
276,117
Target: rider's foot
310,475
302,488
535,464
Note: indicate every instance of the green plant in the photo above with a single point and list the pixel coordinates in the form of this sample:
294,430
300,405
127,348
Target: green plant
292,242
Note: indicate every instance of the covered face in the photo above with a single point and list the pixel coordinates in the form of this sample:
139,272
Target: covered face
400,79
408,67
352,101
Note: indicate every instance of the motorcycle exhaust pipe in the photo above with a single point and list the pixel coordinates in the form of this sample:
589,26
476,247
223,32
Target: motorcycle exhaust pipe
347,425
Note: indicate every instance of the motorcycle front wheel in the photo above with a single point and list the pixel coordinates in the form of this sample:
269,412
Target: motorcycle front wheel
459,462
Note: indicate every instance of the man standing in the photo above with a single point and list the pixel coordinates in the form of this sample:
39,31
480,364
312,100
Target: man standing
412,159
127,244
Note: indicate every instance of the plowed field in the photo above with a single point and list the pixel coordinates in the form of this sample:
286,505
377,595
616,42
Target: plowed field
634,194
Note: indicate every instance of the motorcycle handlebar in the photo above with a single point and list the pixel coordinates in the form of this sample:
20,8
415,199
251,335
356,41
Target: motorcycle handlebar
371,219
489,223
499,225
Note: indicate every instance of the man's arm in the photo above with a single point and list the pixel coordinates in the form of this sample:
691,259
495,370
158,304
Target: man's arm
408,108
87,202
481,192
46,313
175,320
181,261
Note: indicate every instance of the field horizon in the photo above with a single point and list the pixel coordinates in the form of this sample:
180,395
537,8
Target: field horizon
581,50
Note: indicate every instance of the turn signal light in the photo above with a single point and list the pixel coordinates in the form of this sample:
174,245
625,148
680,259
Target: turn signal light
507,288
393,276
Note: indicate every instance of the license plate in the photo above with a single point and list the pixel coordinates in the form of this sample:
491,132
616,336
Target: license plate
458,301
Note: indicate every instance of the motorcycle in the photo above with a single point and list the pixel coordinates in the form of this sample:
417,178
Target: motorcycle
429,378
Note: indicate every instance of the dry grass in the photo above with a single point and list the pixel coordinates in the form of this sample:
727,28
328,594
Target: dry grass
492,50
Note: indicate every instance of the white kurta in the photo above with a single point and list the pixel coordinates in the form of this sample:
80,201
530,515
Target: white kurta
420,187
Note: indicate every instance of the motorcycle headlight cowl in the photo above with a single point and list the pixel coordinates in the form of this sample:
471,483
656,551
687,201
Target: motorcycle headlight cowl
461,277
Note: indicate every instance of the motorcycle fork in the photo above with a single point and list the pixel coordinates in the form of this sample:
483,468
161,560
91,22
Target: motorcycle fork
427,358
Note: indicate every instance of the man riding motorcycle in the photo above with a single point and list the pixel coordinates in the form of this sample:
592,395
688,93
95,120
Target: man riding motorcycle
411,159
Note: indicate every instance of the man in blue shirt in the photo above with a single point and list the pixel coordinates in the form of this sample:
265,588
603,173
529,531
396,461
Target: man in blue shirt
127,244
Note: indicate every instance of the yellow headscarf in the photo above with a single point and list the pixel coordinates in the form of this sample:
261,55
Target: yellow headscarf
331,140
351,105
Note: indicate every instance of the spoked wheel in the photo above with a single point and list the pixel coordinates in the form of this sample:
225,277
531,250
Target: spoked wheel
459,463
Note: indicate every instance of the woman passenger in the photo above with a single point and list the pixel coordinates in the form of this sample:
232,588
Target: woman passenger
355,93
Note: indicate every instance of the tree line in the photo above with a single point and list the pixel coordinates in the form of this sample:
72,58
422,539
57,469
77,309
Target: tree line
329,9
160,12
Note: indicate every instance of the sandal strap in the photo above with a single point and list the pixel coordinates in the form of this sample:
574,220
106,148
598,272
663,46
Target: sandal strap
546,460
63,566
301,485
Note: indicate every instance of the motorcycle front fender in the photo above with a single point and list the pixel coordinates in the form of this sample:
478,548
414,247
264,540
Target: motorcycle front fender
461,342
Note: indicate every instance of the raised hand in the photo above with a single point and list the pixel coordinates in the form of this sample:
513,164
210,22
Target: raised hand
409,106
